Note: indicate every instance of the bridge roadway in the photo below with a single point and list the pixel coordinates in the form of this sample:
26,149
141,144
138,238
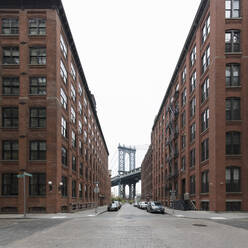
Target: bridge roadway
127,177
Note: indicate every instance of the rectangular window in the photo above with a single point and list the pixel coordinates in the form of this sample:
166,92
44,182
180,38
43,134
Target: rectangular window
204,120
10,26
37,184
73,72
73,115
192,158
232,75
184,73
204,150
37,150
74,163
64,131
10,117
63,46
37,86
193,56
233,206
183,141
80,189
73,93
9,184
233,109
10,150
192,132
80,145
232,41
80,90
184,96
192,81
64,188
233,179
11,56
233,146
183,119
183,165
37,118
73,139
204,182
11,86
63,71
192,185
64,156
63,98
74,192
192,107
206,29
80,108
205,90
80,127
206,59
37,26
232,9
37,56
81,169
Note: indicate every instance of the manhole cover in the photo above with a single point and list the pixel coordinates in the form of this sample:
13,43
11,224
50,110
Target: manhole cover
201,225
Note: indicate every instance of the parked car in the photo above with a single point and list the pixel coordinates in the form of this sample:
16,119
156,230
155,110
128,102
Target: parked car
143,205
155,207
135,204
118,204
113,207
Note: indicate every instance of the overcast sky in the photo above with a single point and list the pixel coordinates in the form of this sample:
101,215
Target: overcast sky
129,50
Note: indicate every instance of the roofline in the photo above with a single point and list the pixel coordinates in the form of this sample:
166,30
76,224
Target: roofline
57,5
194,26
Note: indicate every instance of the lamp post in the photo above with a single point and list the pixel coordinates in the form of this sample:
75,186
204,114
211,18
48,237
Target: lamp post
96,191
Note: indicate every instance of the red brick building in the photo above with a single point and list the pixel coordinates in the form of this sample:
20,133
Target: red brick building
49,124
199,138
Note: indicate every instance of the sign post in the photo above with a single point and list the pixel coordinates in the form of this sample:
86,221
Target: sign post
24,189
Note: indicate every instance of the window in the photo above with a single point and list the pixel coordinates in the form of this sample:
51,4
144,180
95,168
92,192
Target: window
11,86
232,41
80,127
64,188
63,72
37,55
73,93
37,150
192,132
81,169
192,185
37,117
233,179
206,59
232,75
9,184
193,56
64,156
63,98
204,119
63,127
204,90
232,9
205,205
73,139
73,72
10,117
11,56
10,150
63,46
183,119
80,90
192,107
74,163
184,95
80,145
37,26
74,189
206,29
73,115
10,26
37,86
233,108
80,189
233,143
204,182
37,184
85,136
183,141
183,165
80,108
184,73
192,158
192,81
233,206
204,150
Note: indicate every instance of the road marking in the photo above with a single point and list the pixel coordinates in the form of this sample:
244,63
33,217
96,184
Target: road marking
58,217
218,218
179,215
91,215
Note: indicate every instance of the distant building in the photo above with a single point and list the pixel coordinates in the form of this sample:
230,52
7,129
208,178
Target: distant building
49,125
199,137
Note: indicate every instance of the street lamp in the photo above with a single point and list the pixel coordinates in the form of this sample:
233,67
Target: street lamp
96,190
60,186
50,184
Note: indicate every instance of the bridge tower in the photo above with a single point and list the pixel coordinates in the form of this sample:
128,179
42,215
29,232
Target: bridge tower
123,151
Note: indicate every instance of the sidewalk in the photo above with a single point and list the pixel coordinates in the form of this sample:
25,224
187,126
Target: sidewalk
206,214
80,214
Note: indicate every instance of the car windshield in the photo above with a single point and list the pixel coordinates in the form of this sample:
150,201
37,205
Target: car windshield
157,204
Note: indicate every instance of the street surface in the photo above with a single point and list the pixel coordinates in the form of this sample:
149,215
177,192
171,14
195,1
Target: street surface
129,227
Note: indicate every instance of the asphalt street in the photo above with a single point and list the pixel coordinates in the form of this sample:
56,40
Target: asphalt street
129,227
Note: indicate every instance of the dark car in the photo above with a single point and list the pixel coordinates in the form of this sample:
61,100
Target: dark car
113,207
155,207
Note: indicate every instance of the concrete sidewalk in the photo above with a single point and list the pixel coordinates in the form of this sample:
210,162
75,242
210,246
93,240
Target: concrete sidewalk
80,214
206,214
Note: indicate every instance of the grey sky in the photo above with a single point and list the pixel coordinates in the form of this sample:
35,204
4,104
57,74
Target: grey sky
129,50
